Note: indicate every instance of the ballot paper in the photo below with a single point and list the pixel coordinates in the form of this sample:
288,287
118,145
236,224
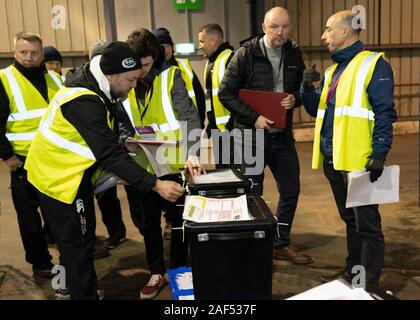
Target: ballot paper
154,150
222,176
334,290
202,209
361,191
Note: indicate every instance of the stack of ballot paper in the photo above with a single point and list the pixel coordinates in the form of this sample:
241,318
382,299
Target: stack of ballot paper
362,192
335,290
221,176
201,209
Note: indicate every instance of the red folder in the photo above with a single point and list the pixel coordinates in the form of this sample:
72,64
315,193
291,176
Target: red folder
267,104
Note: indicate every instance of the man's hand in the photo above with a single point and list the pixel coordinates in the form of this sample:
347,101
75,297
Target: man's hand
375,166
13,163
310,76
194,166
289,102
168,190
263,123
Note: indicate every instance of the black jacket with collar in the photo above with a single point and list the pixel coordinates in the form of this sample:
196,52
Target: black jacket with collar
88,115
250,69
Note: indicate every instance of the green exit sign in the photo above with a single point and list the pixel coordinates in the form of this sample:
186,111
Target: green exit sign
187,4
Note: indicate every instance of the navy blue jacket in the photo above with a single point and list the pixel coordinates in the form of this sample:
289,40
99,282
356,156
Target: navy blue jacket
381,97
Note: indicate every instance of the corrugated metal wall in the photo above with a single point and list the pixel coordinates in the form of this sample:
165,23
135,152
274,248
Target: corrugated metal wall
392,27
84,25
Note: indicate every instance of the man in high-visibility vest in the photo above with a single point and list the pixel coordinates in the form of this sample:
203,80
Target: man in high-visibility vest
194,88
26,88
77,139
161,101
218,52
354,110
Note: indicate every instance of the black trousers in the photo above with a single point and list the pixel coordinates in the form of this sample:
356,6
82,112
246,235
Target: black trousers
73,227
365,240
110,207
26,203
278,152
146,212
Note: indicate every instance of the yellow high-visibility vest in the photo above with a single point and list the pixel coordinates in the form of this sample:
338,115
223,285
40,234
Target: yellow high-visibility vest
27,106
59,156
158,112
353,116
221,114
187,74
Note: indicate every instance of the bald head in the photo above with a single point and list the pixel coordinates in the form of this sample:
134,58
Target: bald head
276,27
339,32
274,12
345,19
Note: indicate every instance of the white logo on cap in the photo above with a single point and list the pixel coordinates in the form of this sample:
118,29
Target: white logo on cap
129,63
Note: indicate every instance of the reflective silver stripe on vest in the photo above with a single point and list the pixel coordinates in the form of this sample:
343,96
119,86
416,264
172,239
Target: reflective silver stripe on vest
127,108
320,114
361,79
191,93
186,69
222,66
222,120
55,78
355,112
19,116
17,94
27,136
166,103
55,138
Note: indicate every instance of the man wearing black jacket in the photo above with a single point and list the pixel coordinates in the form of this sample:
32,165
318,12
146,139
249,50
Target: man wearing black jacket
272,63
26,88
76,139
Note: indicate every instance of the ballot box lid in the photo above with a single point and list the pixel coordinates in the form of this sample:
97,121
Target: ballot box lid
220,182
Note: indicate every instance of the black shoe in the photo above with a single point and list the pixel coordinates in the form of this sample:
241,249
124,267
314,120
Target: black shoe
100,251
114,241
342,275
43,270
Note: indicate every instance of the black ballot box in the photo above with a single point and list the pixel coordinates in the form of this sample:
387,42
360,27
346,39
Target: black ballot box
218,183
233,260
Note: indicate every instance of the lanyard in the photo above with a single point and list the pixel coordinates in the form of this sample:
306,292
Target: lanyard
333,88
335,85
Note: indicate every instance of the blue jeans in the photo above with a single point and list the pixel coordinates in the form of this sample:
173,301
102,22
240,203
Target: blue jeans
281,157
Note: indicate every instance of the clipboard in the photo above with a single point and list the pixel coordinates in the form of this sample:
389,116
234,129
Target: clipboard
267,104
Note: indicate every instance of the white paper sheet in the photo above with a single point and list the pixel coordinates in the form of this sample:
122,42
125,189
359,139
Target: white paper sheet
216,177
202,209
334,290
361,191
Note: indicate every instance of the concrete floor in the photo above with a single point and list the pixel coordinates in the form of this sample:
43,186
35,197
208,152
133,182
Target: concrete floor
317,231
